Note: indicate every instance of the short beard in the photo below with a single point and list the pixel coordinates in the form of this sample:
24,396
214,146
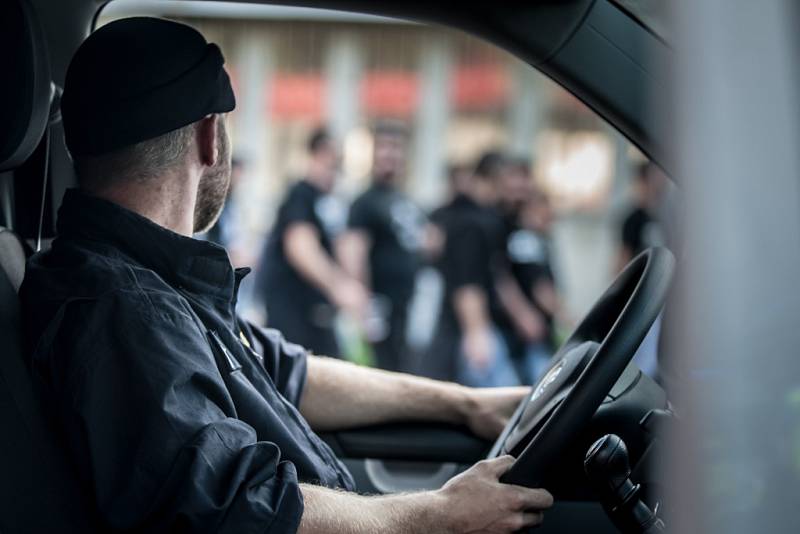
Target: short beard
214,186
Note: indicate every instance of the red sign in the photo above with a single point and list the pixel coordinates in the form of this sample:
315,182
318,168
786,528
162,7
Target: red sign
478,87
389,93
297,96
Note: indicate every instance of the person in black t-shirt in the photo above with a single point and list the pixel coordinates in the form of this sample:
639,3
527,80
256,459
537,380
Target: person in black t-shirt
383,246
467,346
520,320
459,178
302,283
528,248
640,229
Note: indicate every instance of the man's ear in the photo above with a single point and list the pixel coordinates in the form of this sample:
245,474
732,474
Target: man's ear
206,133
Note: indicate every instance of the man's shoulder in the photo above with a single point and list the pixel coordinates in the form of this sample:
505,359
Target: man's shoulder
74,311
70,334
99,278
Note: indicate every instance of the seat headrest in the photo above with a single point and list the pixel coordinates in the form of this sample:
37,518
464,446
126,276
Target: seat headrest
25,91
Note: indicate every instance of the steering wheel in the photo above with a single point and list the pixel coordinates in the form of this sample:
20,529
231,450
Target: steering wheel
585,368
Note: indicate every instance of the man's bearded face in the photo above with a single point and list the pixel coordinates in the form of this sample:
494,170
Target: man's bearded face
214,185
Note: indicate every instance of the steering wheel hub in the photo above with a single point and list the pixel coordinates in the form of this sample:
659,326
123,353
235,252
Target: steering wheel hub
551,376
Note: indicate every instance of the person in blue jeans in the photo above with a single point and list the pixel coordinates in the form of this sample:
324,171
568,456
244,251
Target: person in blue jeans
497,370
468,347
530,299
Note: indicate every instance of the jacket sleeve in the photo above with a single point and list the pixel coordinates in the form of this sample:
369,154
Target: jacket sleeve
152,427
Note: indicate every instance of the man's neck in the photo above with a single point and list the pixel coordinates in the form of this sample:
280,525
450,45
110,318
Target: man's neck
167,200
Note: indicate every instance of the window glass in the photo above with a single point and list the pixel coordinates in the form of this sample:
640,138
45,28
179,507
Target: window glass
456,97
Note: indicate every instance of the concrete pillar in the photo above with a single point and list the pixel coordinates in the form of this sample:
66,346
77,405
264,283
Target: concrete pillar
344,65
255,65
524,114
427,178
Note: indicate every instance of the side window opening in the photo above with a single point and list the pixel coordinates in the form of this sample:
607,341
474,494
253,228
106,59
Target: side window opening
297,71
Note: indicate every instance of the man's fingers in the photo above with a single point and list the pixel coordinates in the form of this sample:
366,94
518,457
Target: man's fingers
534,498
521,521
532,519
499,465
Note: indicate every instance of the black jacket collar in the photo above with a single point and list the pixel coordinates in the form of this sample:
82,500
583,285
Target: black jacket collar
201,267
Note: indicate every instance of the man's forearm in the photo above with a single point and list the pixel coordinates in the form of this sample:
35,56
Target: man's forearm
470,306
342,395
306,255
329,511
352,250
472,501
526,319
510,295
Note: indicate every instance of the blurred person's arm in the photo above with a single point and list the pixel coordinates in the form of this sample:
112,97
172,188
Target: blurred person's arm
352,248
304,252
471,311
474,501
433,241
545,295
542,289
468,255
527,320
340,395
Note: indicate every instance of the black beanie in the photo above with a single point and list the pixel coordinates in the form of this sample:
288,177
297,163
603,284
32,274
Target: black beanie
138,78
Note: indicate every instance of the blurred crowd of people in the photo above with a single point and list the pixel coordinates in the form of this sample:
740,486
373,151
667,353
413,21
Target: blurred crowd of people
341,280
496,321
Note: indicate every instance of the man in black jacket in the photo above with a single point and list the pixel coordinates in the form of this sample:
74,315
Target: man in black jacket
179,415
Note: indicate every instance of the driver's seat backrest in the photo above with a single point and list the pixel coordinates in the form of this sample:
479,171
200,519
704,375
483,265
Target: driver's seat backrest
39,489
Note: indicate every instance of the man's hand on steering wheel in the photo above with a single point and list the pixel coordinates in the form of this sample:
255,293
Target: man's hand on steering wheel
488,410
483,504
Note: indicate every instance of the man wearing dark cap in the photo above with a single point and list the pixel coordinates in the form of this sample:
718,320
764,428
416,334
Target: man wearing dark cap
178,415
